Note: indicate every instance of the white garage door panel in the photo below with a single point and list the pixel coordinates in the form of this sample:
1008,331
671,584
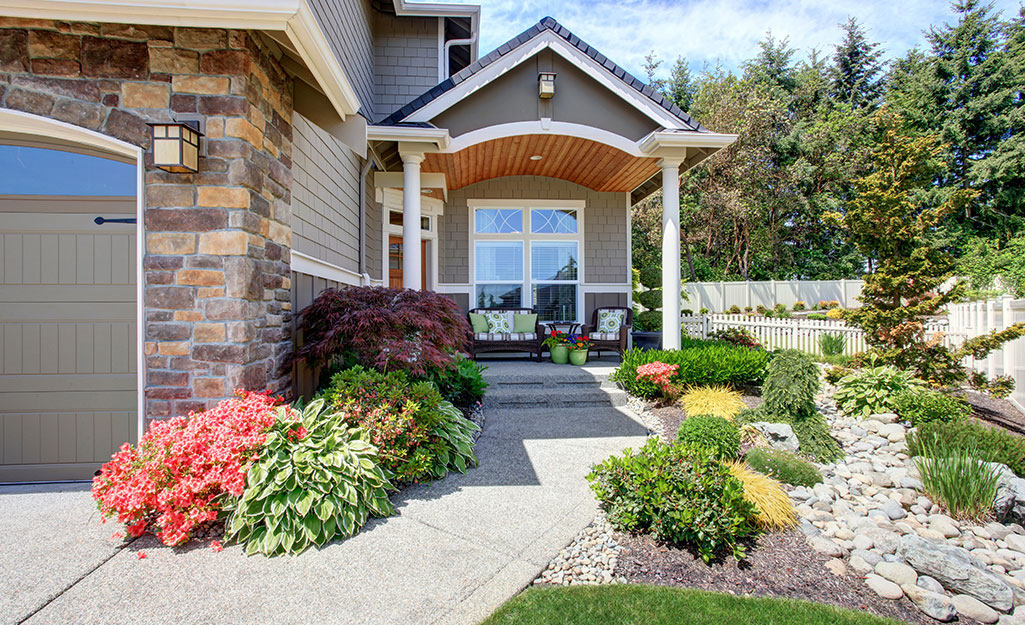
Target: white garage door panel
67,341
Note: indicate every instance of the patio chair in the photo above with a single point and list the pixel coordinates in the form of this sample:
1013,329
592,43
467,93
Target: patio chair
507,341
610,331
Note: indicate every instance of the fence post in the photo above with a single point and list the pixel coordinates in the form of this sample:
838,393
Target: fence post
991,324
843,292
1007,351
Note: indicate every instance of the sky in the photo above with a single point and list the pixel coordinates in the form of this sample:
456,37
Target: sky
707,31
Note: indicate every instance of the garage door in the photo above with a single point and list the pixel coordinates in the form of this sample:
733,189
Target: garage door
67,335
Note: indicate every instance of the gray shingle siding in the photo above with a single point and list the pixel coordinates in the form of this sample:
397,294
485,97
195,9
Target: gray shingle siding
325,196
373,231
606,256
405,59
347,26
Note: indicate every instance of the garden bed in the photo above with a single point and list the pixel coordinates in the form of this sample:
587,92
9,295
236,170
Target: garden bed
996,411
665,420
778,564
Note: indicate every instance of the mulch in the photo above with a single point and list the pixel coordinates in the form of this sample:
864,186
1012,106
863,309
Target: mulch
780,564
996,411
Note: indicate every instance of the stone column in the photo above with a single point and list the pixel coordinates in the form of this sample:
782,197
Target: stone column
411,220
671,253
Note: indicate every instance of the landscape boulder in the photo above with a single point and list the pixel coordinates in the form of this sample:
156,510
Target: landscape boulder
957,570
778,435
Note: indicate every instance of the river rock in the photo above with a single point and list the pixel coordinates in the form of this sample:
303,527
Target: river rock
884,541
885,417
883,587
778,435
897,572
825,546
957,569
894,510
975,609
1015,542
924,581
933,604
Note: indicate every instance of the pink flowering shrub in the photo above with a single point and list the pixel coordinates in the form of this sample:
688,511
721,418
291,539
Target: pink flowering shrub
177,476
660,374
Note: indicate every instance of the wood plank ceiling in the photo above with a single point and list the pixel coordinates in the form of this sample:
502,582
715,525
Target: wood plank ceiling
589,163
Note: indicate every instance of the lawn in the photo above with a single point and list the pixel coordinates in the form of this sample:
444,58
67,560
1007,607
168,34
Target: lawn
658,605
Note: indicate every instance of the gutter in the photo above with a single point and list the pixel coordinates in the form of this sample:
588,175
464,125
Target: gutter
457,42
364,276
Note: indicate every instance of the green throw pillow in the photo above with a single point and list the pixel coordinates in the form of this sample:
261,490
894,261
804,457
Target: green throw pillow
499,322
524,323
479,323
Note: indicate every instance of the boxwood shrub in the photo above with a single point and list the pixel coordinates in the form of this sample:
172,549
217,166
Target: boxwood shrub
716,435
699,362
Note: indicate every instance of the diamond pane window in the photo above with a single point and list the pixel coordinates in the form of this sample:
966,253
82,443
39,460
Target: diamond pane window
553,221
499,220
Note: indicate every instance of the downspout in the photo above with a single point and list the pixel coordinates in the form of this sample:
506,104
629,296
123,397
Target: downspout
458,42
364,276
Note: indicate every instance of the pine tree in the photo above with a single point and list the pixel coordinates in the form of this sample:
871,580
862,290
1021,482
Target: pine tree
857,67
680,88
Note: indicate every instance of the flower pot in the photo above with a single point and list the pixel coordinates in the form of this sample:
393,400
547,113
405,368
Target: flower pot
578,356
647,340
560,354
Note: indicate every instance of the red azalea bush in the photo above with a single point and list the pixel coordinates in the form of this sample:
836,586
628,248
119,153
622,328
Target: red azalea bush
659,373
387,329
175,478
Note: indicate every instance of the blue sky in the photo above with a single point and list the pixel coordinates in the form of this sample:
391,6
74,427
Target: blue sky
705,31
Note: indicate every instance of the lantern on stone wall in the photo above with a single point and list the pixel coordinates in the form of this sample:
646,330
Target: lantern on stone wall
176,146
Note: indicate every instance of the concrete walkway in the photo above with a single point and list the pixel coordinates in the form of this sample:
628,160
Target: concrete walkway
455,550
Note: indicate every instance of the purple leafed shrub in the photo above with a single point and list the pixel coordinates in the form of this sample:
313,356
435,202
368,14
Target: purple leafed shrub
387,329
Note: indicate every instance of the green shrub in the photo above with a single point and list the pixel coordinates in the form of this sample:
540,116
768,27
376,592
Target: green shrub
784,466
648,321
316,480
799,305
817,316
791,382
686,312
679,494
716,435
989,444
958,480
872,390
703,311
700,363
920,406
761,310
780,307
651,277
418,434
838,360
816,442
463,385
832,343
652,300
734,310
747,309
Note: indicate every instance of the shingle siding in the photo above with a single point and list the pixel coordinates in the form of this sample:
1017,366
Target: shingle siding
325,196
606,256
405,60
347,26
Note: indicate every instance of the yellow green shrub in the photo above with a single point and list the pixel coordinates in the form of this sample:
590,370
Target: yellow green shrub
774,508
721,401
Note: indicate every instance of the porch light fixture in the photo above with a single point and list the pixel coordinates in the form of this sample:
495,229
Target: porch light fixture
176,146
546,85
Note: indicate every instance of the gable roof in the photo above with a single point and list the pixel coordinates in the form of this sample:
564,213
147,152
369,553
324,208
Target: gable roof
546,24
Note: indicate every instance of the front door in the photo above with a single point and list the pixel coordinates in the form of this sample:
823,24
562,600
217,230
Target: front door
395,262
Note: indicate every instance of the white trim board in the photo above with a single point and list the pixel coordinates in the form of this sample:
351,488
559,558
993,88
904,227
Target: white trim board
552,41
544,127
304,263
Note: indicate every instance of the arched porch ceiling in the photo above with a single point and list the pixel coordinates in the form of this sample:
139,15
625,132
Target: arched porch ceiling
589,163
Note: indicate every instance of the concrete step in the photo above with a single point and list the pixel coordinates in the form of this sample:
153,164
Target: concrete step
539,396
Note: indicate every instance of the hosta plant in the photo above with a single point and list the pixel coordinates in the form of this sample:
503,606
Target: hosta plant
184,469
317,480
718,400
872,390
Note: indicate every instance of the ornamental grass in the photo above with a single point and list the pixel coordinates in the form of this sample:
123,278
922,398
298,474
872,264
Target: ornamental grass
718,400
775,511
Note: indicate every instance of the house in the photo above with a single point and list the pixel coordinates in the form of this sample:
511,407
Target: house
344,142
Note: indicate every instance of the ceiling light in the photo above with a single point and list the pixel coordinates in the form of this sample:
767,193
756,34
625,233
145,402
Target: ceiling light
536,157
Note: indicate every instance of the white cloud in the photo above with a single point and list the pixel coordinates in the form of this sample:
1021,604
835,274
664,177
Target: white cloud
705,31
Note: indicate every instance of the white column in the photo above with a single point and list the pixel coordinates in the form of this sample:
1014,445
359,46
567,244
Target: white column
670,253
411,221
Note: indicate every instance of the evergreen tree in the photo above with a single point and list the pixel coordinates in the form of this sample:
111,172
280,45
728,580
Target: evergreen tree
680,88
857,68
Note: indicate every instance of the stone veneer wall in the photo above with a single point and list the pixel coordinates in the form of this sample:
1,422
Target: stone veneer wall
218,242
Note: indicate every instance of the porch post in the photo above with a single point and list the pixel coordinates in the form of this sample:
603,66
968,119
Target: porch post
411,220
671,253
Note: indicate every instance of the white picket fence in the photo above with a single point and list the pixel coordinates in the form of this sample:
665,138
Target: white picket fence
964,321
794,333
973,319
719,296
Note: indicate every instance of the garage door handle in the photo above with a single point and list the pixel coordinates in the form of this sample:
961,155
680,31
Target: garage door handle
103,220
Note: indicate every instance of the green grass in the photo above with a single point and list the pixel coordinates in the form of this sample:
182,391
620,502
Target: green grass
659,605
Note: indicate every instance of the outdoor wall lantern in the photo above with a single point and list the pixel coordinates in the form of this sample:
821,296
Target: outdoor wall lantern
546,85
176,146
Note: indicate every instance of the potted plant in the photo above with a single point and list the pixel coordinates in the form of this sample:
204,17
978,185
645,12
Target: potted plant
579,346
647,333
558,347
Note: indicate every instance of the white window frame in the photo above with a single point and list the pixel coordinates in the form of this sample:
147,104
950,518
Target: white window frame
528,238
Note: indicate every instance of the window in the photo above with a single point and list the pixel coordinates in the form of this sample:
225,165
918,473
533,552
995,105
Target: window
42,171
395,219
530,258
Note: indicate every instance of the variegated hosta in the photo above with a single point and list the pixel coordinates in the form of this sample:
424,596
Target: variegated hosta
317,480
